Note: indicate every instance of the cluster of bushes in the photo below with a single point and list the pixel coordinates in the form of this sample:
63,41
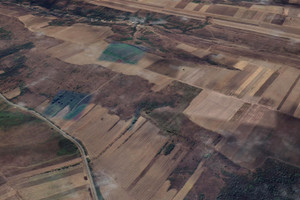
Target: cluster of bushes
10,119
4,34
66,147
275,180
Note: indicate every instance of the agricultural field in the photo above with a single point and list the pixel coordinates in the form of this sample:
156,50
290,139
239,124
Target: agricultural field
169,100
36,161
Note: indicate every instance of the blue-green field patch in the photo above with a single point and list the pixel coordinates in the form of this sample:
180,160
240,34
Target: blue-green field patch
76,102
123,53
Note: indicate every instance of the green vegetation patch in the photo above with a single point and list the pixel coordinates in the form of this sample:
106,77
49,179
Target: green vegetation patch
66,147
169,149
275,180
10,119
124,53
4,34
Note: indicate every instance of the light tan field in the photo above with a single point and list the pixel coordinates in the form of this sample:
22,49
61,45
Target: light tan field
65,184
212,110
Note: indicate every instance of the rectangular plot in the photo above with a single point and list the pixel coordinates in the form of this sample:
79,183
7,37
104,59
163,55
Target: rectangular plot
238,79
182,4
249,14
222,10
279,88
51,178
75,101
268,17
191,6
52,187
154,178
198,7
293,94
123,53
278,19
133,156
266,84
213,110
94,138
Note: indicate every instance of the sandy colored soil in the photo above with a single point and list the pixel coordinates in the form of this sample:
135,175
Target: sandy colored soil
211,110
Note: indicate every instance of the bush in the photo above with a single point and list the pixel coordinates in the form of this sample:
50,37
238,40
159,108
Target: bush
169,149
66,147
4,34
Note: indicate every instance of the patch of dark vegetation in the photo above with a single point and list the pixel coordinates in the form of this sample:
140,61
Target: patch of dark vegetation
66,147
173,100
62,22
10,119
66,98
2,180
169,149
211,59
62,168
15,49
5,34
274,180
177,95
18,63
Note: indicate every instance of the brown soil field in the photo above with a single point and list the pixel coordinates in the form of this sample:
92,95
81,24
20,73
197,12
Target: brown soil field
222,10
214,96
23,142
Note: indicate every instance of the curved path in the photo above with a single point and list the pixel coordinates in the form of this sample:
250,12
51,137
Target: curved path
66,135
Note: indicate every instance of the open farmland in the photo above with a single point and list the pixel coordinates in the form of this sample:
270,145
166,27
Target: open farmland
171,100
37,162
